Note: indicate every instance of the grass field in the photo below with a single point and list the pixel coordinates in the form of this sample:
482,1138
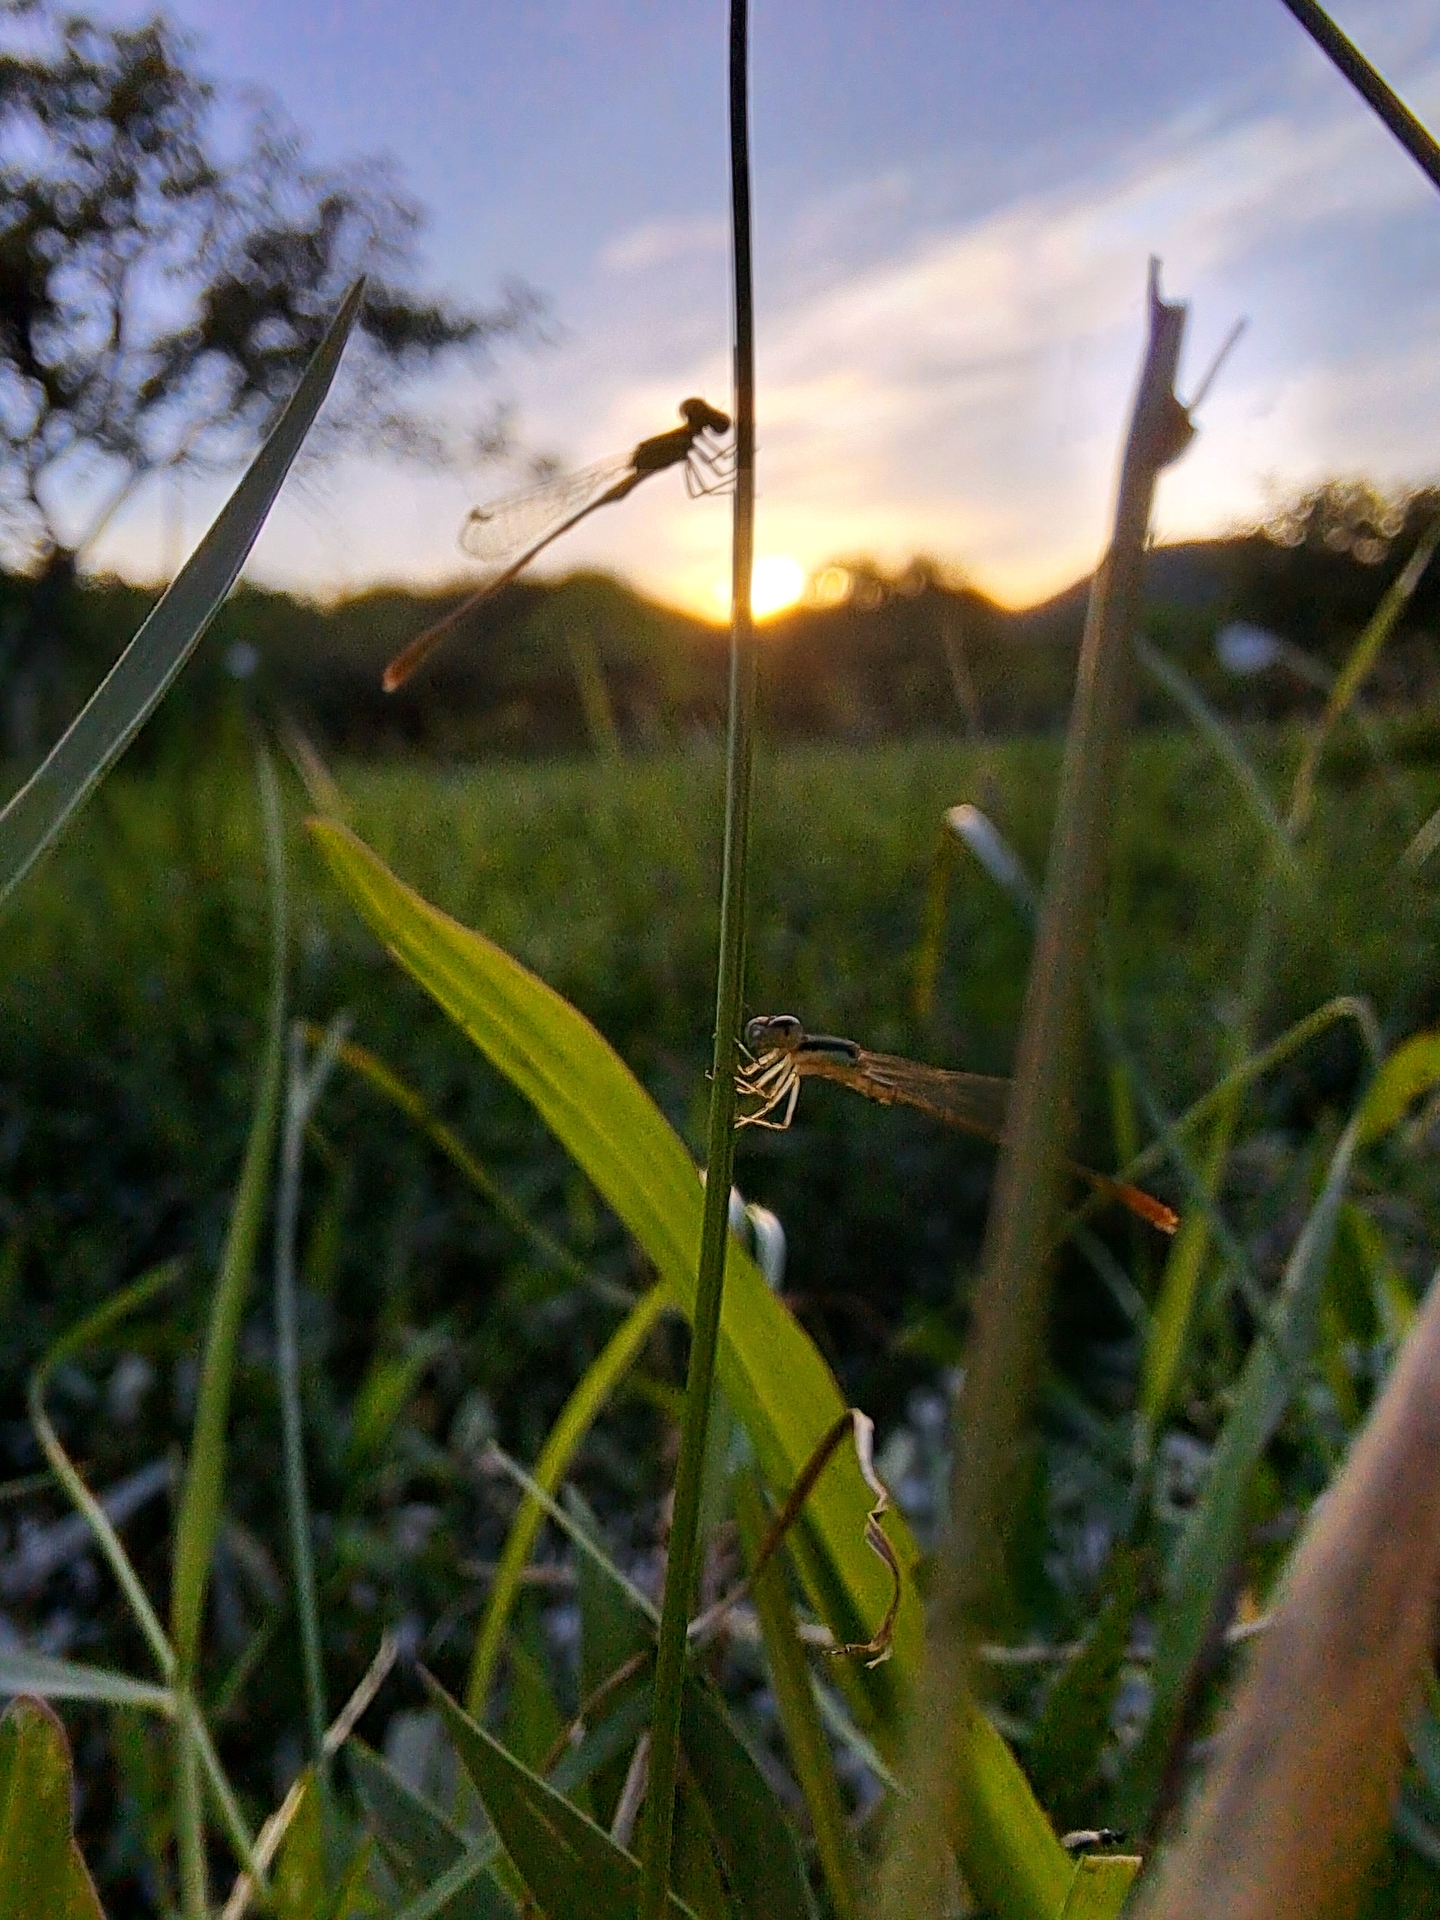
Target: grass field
133,993
134,979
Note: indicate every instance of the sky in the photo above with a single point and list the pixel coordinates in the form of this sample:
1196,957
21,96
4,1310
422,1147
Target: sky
954,209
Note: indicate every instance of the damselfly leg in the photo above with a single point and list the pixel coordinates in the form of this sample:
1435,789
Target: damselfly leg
772,1080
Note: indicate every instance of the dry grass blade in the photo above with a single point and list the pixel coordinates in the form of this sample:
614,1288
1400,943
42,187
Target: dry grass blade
1005,1344
1299,1798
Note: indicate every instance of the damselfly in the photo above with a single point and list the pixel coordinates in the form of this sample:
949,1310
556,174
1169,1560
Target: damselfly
782,1054
507,534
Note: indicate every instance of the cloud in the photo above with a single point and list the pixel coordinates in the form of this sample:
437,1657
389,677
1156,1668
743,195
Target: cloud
958,385
662,241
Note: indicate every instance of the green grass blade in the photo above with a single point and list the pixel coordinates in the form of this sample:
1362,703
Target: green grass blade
383,1395
91,1331
391,1087
584,1541
577,1416
1167,1349
49,1679
612,1636
570,1865
809,1749
1101,1887
1070,1735
1410,1071
1213,730
757,1844
205,1476
41,1870
200,1501
776,1381
447,1897
306,1084
142,675
1356,671
682,1559
1201,1567
421,1847
1212,1104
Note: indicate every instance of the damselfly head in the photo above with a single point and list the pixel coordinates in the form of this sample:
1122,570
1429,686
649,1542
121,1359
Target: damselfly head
773,1033
701,417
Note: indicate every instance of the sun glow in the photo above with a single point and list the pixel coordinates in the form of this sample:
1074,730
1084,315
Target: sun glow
776,581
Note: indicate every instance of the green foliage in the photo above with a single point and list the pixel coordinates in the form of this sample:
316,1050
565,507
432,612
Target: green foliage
774,1379
1073,1729
569,1864
41,1871
843,851
421,1845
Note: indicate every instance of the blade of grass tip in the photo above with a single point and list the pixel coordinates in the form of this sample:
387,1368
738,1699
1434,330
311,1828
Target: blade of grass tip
1005,1344
89,1333
1300,1797
1356,671
143,674
205,1476
990,848
25,1672
714,1237
1228,750
303,1095
582,1541
561,1444
388,1083
1387,104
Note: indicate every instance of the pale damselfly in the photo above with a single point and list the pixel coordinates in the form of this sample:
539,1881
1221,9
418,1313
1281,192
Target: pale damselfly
507,534
782,1054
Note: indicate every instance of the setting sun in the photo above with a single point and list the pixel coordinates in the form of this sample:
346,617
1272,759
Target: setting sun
776,582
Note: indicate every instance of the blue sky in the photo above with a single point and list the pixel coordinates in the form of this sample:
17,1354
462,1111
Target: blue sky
954,209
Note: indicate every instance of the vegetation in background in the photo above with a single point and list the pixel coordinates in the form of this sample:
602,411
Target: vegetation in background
588,663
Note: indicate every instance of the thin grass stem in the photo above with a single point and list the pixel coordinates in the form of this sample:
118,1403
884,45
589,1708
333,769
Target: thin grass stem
305,1088
200,1503
714,1238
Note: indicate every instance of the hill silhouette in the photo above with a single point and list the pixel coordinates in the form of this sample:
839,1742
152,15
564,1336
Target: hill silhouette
554,667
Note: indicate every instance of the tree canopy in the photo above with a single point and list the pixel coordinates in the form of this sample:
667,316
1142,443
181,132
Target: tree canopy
169,257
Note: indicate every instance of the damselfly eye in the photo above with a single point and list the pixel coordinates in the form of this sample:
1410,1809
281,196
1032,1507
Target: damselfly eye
768,1031
701,417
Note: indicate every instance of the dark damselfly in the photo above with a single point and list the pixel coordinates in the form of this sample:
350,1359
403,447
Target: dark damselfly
783,1054
506,535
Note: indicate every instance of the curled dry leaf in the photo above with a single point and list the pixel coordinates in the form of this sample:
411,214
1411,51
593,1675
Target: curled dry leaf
1300,1794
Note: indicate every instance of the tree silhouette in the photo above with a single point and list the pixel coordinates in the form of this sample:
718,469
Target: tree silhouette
168,261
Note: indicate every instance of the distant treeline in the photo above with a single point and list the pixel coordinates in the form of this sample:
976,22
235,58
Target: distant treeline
546,669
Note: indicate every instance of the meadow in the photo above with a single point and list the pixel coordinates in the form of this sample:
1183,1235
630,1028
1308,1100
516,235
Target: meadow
432,1323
